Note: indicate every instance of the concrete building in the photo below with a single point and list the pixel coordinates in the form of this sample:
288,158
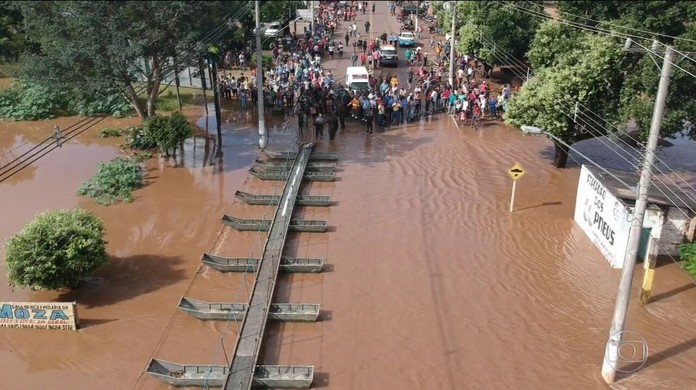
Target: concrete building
604,209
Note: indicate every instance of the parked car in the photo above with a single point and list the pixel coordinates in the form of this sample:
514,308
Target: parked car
273,29
409,9
407,39
388,56
262,27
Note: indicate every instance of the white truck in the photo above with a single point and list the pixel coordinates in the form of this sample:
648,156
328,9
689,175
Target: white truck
357,78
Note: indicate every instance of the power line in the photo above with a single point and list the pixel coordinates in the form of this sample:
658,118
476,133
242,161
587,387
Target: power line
619,130
600,137
14,162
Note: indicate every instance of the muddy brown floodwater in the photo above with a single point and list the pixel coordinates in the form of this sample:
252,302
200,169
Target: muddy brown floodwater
430,284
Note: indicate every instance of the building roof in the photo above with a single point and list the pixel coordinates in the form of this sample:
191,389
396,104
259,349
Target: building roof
662,193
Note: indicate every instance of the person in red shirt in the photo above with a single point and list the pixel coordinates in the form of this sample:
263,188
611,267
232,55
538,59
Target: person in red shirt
363,58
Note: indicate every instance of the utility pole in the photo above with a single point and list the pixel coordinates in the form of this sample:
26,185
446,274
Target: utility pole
311,7
259,81
216,95
177,83
611,353
451,67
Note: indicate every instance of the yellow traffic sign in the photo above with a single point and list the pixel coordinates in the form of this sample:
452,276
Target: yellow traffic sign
516,172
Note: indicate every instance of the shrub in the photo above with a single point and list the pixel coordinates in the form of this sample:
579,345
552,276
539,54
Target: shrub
56,250
107,132
687,252
167,132
30,101
137,139
115,181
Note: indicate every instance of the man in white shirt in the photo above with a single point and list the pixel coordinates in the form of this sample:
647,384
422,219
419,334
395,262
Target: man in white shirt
433,101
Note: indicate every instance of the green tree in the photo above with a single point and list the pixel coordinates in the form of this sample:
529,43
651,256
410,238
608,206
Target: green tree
284,10
167,132
590,74
661,20
97,46
490,29
551,42
56,250
12,38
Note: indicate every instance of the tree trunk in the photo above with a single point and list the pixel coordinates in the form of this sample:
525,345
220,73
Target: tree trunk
132,97
154,86
560,155
176,80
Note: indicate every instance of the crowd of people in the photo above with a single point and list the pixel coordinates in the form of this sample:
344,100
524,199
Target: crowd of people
295,82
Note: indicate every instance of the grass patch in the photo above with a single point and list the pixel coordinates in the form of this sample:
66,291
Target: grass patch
114,182
687,253
166,101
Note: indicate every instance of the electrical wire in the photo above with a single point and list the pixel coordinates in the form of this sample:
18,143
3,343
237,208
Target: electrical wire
649,33
14,162
623,132
585,27
600,137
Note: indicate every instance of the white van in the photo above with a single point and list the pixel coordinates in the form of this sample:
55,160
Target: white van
357,78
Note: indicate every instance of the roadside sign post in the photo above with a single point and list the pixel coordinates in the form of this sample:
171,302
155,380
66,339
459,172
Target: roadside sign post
516,172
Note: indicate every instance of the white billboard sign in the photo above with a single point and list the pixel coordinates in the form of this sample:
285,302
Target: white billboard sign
39,315
603,217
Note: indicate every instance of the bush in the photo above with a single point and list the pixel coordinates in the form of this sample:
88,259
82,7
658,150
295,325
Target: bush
115,181
109,102
137,139
56,250
30,101
107,132
687,252
167,132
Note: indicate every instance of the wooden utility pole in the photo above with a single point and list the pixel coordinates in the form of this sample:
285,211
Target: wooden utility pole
177,84
216,96
201,70
611,352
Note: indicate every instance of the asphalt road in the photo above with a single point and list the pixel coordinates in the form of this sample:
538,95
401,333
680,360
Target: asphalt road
381,21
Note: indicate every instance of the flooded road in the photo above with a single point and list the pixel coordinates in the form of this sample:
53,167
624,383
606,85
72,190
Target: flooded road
430,284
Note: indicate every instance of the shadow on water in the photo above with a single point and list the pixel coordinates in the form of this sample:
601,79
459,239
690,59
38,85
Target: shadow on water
124,278
672,292
655,358
321,380
557,203
90,322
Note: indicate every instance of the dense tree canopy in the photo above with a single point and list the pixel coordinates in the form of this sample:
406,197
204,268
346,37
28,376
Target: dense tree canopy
581,58
12,38
481,25
589,73
93,46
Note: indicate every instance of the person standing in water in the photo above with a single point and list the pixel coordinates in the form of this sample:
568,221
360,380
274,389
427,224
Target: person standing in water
333,126
319,126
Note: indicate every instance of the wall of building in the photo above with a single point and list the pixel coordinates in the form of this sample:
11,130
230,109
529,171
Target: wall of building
674,230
